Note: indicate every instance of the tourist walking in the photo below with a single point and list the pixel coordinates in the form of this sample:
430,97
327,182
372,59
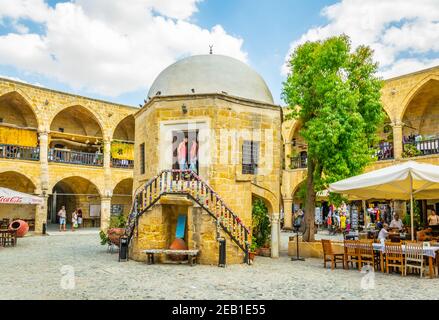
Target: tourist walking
74,220
62,218
79,215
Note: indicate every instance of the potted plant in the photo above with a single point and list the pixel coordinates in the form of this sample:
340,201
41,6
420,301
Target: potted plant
252,252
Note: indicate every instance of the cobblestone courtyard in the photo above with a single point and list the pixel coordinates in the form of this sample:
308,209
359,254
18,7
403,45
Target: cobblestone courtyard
32,270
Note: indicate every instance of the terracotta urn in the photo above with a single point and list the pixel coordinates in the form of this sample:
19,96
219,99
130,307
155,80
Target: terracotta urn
265,252
21,227
178,244
114,235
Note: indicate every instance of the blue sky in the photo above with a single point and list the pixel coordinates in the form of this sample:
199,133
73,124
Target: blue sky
101,49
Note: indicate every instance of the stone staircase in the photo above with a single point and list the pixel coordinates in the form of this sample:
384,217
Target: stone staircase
188,184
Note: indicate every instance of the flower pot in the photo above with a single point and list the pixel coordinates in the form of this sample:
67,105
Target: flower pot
265,252
251,255
178,244
114,235
20,227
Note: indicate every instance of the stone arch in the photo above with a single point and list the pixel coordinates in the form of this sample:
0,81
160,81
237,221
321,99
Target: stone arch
73,192
77,178
24,114
77,111
292,131
122,196
125,129
17,181
296,189
268,197
413,92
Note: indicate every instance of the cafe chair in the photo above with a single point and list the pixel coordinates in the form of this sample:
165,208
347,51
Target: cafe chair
367,254
333,256
414,257
394,256
351,253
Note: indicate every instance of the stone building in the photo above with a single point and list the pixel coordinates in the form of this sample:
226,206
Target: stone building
227,110
70,150
411,103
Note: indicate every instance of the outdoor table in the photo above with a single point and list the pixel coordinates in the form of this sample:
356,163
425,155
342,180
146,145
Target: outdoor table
429,252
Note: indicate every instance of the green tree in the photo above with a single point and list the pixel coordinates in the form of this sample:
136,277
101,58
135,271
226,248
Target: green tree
335,94
261,229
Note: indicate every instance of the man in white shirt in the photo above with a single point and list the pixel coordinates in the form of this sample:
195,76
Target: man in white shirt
383,232
433,219
396,223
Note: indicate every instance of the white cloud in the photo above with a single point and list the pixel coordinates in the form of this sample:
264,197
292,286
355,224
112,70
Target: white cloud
402,33
106,46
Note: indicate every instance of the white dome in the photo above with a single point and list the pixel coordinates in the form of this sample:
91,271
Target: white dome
211,74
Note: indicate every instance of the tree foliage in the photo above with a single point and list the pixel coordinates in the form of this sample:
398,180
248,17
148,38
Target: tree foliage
335,94
261,224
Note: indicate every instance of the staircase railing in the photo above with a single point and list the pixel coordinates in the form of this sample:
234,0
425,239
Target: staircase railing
188,183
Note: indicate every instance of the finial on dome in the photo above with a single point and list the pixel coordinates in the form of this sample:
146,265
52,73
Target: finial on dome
211,49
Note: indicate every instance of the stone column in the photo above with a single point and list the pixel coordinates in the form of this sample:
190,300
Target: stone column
288,149
288,214
43,137
106,198
275,235
397,140
105,212
41,214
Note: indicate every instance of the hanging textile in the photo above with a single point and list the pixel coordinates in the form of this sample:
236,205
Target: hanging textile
122,151
20,137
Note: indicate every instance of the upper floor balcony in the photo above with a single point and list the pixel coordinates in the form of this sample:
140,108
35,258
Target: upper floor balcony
8,151
76,157
417,145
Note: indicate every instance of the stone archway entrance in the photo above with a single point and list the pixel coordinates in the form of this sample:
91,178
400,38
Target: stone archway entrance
73,193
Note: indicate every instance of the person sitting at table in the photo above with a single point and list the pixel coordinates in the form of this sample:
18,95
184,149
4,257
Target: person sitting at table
396,223
433,219
383,232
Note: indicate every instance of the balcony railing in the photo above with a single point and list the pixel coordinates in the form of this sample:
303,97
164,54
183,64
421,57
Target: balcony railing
424,147
124,164
76,157
9,151
385,151
299,162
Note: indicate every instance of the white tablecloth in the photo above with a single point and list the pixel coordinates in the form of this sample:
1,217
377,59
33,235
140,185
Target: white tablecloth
428,251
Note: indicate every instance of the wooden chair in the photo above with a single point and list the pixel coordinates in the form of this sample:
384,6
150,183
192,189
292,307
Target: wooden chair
367,254
394,256
8,238
414,257
351,253
333,257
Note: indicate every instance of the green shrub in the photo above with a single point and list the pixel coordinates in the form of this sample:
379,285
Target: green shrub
261,228
410,151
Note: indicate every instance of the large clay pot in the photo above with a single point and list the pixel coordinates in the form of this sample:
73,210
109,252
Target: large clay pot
178,244
21,227
114,235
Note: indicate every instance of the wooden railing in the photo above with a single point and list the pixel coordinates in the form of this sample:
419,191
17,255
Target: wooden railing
425,147
76,157
9,151
119,163
189,184
299,162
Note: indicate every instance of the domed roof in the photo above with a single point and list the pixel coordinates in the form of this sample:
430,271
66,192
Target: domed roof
211,73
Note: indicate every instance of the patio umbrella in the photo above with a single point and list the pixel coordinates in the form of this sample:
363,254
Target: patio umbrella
402,181
9,196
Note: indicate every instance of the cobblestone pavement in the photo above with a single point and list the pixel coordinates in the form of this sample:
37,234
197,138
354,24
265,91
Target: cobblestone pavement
32,270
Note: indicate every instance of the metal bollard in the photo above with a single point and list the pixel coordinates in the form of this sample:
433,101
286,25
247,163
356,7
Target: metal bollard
222,253
123,248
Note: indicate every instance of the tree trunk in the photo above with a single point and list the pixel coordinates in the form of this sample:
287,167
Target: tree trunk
310,203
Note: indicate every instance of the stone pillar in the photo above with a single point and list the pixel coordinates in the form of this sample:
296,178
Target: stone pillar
41,214
43,137
288,149
397,140
288,214
275,235
108,192
105,212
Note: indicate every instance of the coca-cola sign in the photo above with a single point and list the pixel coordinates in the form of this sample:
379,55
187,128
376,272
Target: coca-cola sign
11,199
